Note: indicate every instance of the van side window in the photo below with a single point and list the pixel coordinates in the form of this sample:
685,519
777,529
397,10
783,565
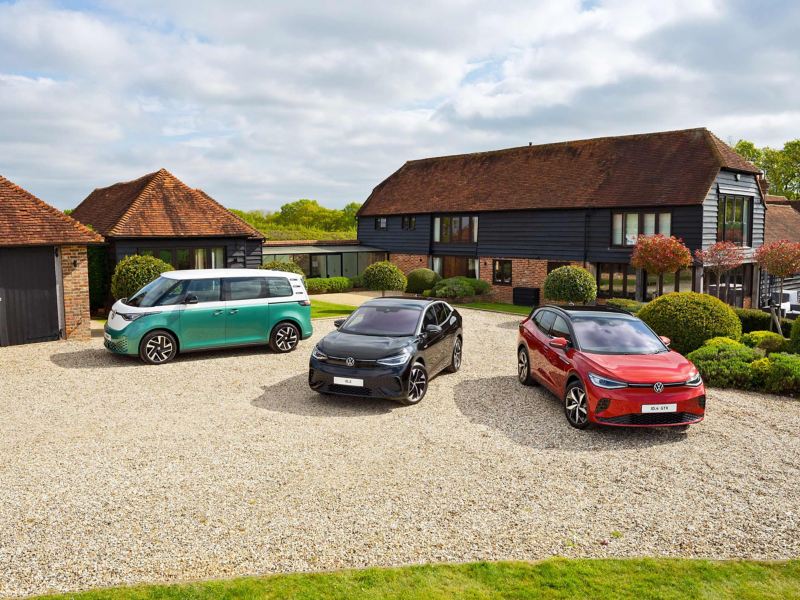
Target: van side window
174,295
279,287
244,288
545,320
206,290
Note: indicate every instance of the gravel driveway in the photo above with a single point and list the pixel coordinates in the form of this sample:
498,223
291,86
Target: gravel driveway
226,464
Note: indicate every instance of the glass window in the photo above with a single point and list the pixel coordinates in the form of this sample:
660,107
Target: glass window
279,287
475,230
455,229
349,264
501,272
546,321
472,268
560,329
665,224
206,290
615,335
631,229
381,223
604,274
319,266
166,256
382,320
553,265
733,219
146,252
409,223
442,312
149,294
174,295
183,259
649,224
244,288
437,224
652,289
430,317
267,258
334,264
199,258
684,280
616,229
437,265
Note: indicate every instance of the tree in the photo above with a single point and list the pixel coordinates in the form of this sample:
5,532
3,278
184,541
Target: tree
659,254
382,276
780,259
781,167
719,259
570,284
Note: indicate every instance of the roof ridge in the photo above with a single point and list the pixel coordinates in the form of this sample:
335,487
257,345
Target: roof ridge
54,211
714,142
138,200
230,212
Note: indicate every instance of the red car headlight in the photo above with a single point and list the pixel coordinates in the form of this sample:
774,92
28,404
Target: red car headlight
606,382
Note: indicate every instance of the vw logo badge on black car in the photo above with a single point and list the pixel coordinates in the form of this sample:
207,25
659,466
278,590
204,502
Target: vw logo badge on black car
350,362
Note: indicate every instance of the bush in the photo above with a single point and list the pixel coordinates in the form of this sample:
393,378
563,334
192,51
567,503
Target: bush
460,287
758,320
689,319
759,371
794,337
783,376
420,280
328,285
725,365
768,341
721,341
427,293
357,281
285,266
632,306
134,272
382,276
570,284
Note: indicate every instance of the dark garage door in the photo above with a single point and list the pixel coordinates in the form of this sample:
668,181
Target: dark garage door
28,297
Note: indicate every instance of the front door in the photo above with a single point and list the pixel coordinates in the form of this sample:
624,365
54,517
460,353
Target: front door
202,323
247,320
455,266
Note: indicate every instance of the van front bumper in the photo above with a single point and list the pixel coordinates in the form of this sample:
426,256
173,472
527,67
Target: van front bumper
118,342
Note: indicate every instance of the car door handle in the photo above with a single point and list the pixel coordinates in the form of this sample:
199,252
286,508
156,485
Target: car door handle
234,311
218,312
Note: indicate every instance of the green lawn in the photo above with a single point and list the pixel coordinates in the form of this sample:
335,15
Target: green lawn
498,307
639,579
322,310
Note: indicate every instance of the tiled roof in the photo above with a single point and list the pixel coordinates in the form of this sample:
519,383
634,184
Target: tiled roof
782,221
27,221
653,169
159,205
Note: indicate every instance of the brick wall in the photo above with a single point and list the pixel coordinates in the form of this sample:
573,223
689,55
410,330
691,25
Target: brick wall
409,262
76,292
525,272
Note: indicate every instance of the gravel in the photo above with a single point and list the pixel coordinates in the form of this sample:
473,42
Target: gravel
223,464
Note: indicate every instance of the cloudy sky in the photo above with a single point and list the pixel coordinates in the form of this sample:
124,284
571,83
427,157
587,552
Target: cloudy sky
260,103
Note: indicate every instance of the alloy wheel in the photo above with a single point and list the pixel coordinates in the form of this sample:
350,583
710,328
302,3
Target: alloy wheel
457,354
577,406
522,366
417,383
286,338
158,349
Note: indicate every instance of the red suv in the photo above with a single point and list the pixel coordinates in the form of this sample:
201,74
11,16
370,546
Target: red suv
609,368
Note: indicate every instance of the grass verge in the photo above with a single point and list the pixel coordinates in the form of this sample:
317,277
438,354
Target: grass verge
323,310
640,579
498,307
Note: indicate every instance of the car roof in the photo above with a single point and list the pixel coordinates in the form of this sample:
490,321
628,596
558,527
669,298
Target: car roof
226,273
600,310
401,301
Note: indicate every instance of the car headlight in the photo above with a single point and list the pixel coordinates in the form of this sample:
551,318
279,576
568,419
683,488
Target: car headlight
132,316
695,380
318,354
605,382
394,361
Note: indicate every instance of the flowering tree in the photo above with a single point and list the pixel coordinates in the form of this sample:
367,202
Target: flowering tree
719,259
659,254
780,259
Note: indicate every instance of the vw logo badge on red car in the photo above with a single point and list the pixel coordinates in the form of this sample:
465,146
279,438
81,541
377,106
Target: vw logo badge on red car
658,387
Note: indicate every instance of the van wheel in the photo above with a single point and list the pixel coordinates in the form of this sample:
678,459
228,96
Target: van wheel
158,347
284,337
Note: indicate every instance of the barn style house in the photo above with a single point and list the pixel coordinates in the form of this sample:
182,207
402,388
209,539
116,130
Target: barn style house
511,216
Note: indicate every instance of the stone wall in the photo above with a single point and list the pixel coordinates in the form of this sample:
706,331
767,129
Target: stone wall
409,262
525,272
75,277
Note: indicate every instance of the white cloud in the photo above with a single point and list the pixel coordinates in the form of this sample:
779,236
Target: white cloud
262,103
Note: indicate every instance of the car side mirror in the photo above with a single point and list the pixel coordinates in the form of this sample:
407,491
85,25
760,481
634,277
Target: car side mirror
665,340
338,323
190,299
559,342
433,329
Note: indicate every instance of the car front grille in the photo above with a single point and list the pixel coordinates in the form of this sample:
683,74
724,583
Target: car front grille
676,418
357,363
120,345
349,390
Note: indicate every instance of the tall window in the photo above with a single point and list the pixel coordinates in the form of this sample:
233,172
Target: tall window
450,229
733,219
381,223
626,226
501,272
616,280
189,258
409,223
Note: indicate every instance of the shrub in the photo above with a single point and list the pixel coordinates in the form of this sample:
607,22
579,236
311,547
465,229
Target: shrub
285,266
382,276
317,285
339,284
357,281
759,371
427,293
689,319
421,279
794,337
767,341
721,341
725,365
460,287
632,306
328,285
758,320
784,374
134,272
570,284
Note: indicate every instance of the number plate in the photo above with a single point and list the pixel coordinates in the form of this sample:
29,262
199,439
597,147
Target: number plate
348,381
659,408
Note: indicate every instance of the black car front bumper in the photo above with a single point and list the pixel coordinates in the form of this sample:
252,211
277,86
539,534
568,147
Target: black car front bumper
376,381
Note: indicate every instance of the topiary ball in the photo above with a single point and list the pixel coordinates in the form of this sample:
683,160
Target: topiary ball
689,319
420,280
570,284
132,273
384,276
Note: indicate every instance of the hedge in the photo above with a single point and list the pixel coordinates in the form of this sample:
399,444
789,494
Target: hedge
758,320
768,341
420,280
783,376
632,306
725,364
794,337
134,272
328,285
460,287
689,319
285,266
570,284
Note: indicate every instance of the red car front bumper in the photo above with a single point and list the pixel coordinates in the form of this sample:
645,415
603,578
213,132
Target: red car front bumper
643,407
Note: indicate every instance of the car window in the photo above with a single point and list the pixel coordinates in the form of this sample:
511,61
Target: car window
206,290
150,294
430,317
279,287
545,321
613,334
245,288
442,313
560,328
382,320
174,295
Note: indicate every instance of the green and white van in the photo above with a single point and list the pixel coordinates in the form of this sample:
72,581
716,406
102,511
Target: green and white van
183,311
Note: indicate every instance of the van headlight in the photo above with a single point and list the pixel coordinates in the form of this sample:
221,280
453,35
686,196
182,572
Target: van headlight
606,382
394,361
132,316
318,354
695,380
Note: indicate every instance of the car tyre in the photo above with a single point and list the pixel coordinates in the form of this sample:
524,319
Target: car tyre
158,347
455,359
524,367
284,337
417,384
576,405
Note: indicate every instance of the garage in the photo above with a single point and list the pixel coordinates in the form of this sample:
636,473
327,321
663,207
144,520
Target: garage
44,288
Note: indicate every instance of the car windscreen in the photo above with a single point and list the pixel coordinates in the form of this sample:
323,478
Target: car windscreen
615,335
382,320
152,292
